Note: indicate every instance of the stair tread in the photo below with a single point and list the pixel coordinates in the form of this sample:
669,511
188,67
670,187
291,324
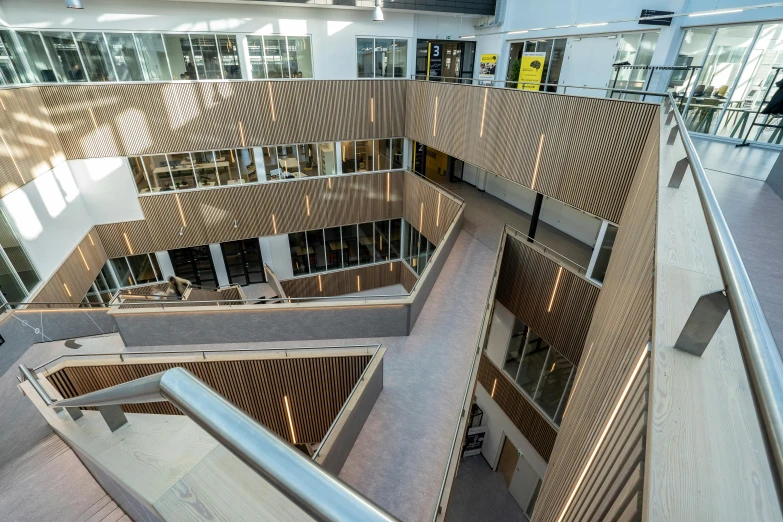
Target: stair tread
99,505
103,513
115,515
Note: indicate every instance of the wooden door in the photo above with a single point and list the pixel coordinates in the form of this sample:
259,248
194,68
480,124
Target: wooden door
507,463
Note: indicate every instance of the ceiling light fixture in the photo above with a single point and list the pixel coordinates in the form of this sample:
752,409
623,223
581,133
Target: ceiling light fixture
597,24
517,32
718,12
468,36
74,4
377,13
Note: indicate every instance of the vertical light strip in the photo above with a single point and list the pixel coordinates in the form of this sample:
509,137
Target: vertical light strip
358,283
538,161
181,213
483,112
320,285
241,133
274,224
391,267
127,243
271,101
388,186
92,117
8,149
3,104
437,215
329,182
372,110
554,290
435,120
290,420
421,216
90,238
68,291
84,260
494,385
307,204
603,434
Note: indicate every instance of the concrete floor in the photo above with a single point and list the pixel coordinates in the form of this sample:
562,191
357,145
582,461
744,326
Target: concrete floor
481,494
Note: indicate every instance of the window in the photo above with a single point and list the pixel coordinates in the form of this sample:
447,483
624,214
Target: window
395,238
381,241
366,250
300,57
135,270
553,61
381,57
153,56
276,57
37,57
417,249
20,263
180,54
604,253
299,253
542,373
350,245
635,49
317,249
64,56
229,56
95,54
182,173
124,56
12,69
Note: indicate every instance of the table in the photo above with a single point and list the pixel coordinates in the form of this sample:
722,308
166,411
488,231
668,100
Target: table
286,163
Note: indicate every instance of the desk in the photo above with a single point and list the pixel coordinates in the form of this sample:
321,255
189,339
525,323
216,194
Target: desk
288,163
335,251
184,167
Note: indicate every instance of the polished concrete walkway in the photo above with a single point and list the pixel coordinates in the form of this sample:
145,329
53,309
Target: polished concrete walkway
481,494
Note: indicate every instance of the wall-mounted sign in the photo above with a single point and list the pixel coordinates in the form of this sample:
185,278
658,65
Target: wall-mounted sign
531,69
487,66
655,21
434,60
474,440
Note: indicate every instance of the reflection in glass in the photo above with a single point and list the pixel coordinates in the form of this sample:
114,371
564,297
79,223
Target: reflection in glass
395,238
363,156
334,248
206,56
229,56
349,157
123,272
554,380
204,164
142,269
255,48
397,152
181,167
383,58
400,58
300,56
123,53
153,56
37,58
299,253
382,154
365,57
317,249
17,255
366,250
270,163
64,56
516,346
11,66
247,165
351,249
327,158
381,241
96,57
602,260
308,164
423,247
158,172
139,174
533,362
276,57
180,56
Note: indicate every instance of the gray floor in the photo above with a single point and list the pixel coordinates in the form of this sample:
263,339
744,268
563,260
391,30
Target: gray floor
481,494
749,162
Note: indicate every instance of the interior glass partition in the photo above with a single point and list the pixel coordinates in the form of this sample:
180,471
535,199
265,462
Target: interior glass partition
37,57
381,57
553,61
229,56
95,56
12,68
124,57
64,56
153,56
180,55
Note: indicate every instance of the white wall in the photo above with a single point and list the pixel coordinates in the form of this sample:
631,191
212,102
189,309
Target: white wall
334,31
49,217
498,424
107,189
500,331
164,262
573,222
276,252
220,266
383,290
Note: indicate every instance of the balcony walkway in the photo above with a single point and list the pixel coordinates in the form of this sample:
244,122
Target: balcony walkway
400,457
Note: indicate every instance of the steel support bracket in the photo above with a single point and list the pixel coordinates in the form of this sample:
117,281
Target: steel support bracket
113,416
703,322
75,413
673,135
669,118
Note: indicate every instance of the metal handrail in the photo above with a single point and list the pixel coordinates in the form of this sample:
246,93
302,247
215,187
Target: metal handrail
760,353
518,233
307,485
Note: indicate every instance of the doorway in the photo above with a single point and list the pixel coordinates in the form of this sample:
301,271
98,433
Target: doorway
519,476
588,62
244,264
195,265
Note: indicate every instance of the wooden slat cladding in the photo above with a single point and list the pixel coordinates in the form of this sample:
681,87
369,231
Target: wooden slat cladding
316,388
28,142
408,277
517,407
429,209
615,347
526,284
125,119
233,213
75,276
341,282
590,147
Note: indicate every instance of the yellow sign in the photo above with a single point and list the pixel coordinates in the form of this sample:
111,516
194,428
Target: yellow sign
531,69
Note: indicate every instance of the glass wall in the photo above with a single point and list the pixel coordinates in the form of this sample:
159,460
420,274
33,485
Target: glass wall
204,169
280,56
136,270
18,276
553,61
735,68
381,57
636,51
64,56
417,249
335,248
539,370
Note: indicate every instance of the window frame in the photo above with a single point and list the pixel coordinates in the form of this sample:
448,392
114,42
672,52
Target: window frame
394,39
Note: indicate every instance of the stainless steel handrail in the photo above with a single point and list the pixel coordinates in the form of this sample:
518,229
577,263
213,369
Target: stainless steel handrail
760,353
517,233
307,485
35,384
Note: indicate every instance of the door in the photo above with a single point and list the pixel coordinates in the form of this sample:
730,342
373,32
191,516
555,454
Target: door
588,62
195,265
243,261
523,485
507,463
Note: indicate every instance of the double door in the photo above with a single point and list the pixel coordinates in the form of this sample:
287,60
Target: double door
244,264
195,265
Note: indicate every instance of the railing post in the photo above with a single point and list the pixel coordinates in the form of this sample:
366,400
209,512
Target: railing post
678,173
114,417
673,135
703,322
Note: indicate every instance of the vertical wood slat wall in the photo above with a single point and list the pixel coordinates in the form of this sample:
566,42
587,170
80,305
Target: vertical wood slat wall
589,153
526,283
125,119
427,208
208,216
73,278
29,145
316,388
615,346
341,282
517,407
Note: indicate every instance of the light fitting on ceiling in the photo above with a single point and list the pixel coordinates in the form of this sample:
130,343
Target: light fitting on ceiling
74,4
377,13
